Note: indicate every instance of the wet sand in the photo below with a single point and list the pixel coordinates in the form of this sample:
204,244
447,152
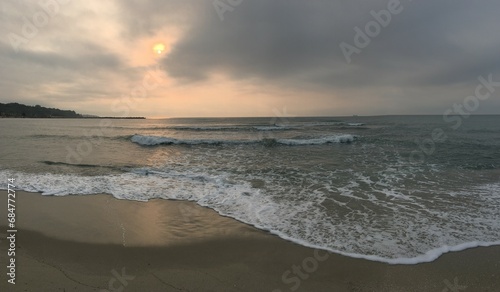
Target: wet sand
98,243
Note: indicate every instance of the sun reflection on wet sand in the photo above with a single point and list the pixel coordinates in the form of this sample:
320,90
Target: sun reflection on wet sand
104,219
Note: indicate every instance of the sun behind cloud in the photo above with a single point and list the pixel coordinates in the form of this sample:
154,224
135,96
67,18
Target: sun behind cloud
159,48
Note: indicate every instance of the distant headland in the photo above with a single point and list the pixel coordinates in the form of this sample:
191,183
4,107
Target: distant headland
17,110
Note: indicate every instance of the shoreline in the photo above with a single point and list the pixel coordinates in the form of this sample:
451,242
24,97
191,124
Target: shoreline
76,242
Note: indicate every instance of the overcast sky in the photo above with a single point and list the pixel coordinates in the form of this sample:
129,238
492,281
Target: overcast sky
249,57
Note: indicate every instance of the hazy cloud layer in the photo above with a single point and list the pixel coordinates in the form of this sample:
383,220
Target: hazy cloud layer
425,59
428,43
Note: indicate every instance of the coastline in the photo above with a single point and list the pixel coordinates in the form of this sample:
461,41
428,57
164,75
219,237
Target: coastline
76,242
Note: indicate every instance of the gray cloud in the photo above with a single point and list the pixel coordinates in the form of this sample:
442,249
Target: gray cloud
93,58
145,17
297,42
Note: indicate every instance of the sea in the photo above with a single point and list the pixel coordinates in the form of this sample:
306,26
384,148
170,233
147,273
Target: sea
394,189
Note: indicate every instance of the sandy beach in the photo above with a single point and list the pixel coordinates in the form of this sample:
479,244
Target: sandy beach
99,243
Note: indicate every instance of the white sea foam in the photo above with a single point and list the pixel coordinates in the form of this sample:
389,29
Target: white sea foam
403,240
156,140
272,128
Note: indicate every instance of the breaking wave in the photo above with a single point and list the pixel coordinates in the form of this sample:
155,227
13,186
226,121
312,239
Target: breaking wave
156,140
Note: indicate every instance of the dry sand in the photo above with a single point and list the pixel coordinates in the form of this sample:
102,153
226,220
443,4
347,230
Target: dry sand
98,243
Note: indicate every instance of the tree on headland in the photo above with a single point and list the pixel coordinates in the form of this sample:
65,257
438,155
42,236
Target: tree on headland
17,110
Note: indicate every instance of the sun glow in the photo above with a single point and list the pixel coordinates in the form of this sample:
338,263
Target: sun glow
159,48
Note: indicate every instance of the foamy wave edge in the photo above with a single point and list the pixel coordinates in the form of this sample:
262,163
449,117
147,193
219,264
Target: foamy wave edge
157,140
428,256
